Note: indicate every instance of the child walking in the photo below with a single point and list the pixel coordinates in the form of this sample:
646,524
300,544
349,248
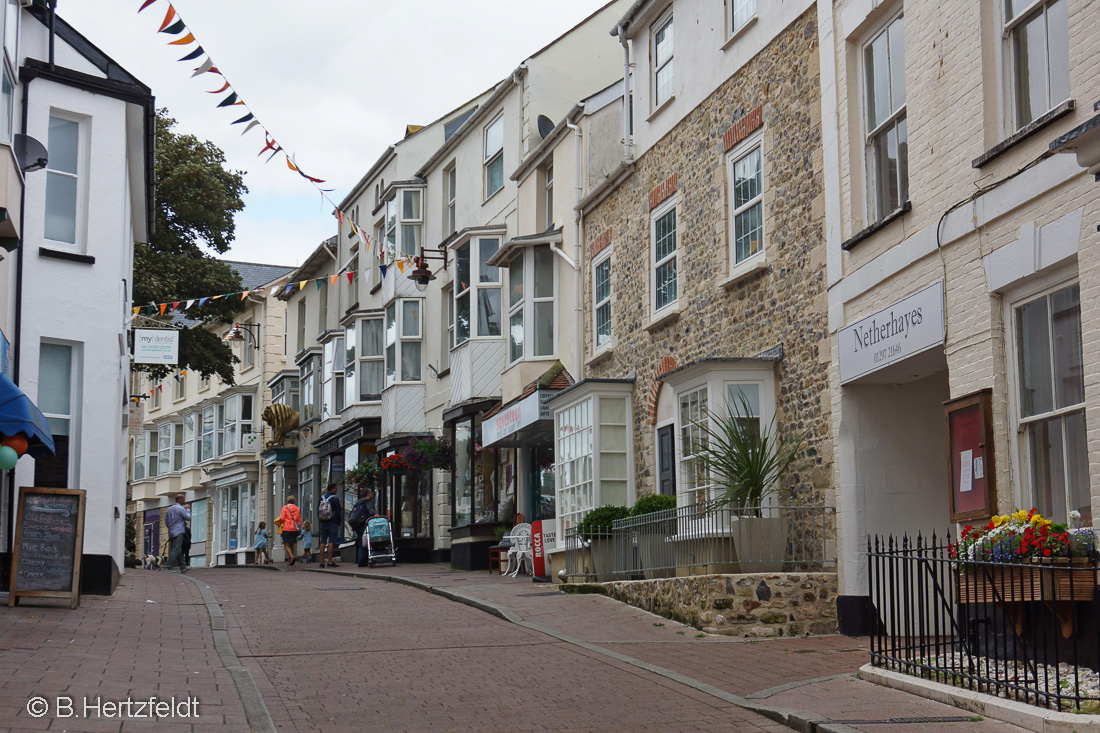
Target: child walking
260,546
307,543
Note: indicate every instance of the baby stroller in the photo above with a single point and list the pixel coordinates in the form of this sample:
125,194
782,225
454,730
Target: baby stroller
378,539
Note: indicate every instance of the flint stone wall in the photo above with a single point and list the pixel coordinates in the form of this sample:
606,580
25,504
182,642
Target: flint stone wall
754,605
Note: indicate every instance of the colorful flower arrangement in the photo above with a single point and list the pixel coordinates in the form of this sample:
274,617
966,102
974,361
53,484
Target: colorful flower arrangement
428,453
394,462
365,473
1020,537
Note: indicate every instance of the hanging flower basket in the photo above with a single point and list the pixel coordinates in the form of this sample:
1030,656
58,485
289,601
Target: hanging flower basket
365,474
394,464
428,453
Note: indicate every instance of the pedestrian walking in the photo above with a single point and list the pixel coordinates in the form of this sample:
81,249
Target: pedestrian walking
330,515
176,519
260,545
363,510
291,524
307,542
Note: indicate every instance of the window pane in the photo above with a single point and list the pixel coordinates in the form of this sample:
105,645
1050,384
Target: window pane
410,361
666,235
903,161
1033,347
494,175
1077,461
515,281
494,137
1065,316
603,281
884,156
391,364
410,318
515,336
1029,41
55,379
748,228
544,272
410,239
1058,46
544,328
663,43
666,283
748,392
6,99
462,267
486,272
897,63
746,179
743,10
664,82
370,333
63,144
1048,476
391,324
410,205
60,207
462,318
488,312
603,324
877,65
370,379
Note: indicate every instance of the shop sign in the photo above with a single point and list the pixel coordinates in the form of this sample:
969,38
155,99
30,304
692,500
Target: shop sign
156,346
530,409
538,549
908,327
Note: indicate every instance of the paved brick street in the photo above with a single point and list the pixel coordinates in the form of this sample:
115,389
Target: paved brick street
387,656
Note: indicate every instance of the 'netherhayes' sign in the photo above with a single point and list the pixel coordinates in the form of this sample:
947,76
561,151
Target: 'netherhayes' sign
906,328
156,346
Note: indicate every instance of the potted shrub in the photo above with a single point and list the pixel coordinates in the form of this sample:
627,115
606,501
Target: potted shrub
745,460
594,530
656,557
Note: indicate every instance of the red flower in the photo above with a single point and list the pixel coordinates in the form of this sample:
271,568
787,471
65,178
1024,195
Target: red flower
1046,552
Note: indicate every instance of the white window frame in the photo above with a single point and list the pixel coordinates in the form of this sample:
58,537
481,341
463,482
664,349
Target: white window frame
448,333
656,67
525,306
164,451
604,258
285,391
1013,118
740,14
332,377
181,387
207,428
398,336
157,387
81,176
548,197
204,383
450,196
473,288
389,227
152,456
365,359
492,156
238,426
309,387
895,120
1039,288
656,262
752,144
139,452
412,224
190,447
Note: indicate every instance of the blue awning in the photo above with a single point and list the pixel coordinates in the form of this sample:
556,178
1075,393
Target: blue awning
19,415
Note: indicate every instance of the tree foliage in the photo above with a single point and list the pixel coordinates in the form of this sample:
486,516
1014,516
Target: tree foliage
196,199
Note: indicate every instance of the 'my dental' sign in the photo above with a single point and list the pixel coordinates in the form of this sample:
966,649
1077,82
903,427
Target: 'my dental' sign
156,346
908,327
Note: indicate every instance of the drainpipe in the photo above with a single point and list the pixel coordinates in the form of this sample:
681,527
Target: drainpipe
578,341
628,155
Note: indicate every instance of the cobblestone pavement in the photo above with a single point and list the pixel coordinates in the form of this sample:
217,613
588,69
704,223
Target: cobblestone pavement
151,638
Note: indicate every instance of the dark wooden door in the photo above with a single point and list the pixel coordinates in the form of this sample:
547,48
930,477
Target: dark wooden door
666,460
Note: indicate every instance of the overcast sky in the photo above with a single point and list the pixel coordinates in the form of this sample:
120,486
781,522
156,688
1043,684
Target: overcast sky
335,82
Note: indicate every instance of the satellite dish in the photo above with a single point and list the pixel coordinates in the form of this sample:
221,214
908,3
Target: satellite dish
30,153
546,125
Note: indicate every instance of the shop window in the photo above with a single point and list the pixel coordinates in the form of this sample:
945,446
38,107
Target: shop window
1036,38
1051,391
306,491
663,63
531,304
887,141
477,290
475,478
403,346
601,300
198,521
238,524
665,248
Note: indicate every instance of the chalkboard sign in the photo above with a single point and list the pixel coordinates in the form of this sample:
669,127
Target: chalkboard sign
49,534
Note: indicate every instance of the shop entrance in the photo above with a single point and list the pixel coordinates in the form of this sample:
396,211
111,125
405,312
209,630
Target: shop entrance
541,499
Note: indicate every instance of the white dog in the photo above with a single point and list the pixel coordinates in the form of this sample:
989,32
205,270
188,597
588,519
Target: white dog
152,562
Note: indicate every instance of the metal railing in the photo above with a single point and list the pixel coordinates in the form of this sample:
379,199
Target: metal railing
704,539
1020,630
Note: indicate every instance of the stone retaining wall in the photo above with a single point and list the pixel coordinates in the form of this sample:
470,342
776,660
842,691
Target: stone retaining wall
757,605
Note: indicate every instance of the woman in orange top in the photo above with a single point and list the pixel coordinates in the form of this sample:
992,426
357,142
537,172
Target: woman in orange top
291,517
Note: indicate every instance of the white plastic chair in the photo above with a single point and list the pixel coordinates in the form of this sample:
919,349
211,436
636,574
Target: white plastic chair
520,551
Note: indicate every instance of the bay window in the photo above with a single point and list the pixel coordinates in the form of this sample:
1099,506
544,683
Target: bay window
138,472
402,342
390,228
189,435
1036,34
476,290
412,217
207,444
164,449
236,422
1051,417
531,304
309,384
332,378
694,422
177,446
351,385
370,359
285,392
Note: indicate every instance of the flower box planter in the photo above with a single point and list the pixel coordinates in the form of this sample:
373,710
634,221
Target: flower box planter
1000,584
1070,581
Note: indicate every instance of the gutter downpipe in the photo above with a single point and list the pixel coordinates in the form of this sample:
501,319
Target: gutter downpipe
628,155
578,342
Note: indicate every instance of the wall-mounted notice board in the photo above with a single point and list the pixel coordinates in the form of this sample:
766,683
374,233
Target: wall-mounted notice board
970,450
49,538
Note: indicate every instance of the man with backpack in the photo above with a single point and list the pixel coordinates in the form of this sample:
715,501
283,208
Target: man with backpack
330,516
357,520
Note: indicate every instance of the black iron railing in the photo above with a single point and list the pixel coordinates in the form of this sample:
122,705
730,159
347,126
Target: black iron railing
1024,630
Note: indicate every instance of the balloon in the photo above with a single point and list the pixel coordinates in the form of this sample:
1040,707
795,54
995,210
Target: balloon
8,458
18,443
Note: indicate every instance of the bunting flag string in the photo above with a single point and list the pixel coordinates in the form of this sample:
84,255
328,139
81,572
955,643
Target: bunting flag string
173,24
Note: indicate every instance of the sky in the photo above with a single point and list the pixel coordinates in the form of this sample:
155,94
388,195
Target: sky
335,82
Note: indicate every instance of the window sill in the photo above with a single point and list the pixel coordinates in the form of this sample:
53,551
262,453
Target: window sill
492,195
661,107
59,254
745,270
602,354
669,314
878,225
1024,132
740,32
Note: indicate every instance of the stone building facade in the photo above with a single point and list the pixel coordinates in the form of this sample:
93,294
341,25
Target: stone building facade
767,314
